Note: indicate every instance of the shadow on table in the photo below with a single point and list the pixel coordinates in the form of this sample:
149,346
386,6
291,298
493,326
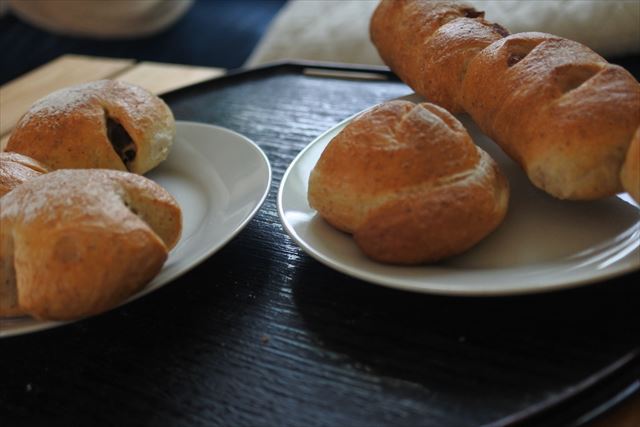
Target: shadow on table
138,362
483,357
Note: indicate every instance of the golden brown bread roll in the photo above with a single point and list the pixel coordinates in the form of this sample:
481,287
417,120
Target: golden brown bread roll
556,107
77,242
102,124
410,185
630,174
16,169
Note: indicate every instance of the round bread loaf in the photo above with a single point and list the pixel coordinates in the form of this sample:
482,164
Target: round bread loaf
409,183
78,242
630,173
16,169
103,124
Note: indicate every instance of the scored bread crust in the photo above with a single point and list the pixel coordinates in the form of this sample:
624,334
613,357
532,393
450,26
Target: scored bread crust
556,107
78,242
440,39
69,127
410,185
16,169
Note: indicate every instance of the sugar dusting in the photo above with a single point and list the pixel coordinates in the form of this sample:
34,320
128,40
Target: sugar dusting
117,98
63,194
63,101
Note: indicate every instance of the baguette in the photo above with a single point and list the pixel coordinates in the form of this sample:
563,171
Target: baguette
430,45
557,108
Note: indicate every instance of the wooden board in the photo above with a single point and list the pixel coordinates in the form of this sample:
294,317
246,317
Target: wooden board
162,78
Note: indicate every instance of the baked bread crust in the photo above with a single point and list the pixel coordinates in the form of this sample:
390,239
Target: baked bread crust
102,124
555,106
440,39
78,242
16,169
410,185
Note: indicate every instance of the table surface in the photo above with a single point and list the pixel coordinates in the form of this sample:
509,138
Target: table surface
261,334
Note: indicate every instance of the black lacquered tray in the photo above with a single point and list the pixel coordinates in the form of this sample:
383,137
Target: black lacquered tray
262,334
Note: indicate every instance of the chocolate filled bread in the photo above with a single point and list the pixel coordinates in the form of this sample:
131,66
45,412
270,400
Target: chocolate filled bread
103,124
77,242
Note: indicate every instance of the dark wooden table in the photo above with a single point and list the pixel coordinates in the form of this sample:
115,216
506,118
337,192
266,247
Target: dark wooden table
260,334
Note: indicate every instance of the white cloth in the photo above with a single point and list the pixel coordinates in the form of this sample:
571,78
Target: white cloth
100,18
338,30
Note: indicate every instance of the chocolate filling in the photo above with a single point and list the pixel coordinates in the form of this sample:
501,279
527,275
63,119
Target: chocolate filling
121,141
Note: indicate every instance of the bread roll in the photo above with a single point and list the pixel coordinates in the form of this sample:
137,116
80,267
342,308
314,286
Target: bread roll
16,169
410,185
103,124
630,174
78,242
556,107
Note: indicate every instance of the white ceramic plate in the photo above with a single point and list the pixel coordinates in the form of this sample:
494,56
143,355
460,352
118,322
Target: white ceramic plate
220,179
544,244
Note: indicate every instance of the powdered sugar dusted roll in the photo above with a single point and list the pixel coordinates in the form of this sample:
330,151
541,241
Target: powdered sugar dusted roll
77,242
102,124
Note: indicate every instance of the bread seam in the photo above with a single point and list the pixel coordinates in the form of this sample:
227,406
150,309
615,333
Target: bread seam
467,177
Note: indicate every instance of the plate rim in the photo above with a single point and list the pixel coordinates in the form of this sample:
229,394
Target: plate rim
42,325
250,215
438,287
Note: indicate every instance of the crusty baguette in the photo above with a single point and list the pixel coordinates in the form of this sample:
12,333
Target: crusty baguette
556,107
430,45
16,169
409,183
77,242
102,124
